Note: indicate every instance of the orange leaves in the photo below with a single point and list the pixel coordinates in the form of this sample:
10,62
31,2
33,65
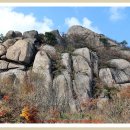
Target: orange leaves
29,114
26,113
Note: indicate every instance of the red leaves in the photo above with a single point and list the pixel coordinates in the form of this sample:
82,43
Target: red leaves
5,97
3,113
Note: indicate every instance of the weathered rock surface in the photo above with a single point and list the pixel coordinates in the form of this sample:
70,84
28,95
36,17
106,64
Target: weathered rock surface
82,77
106,76
18,34
30,34
80,65
120,64
58,37
41,62
14,76
3,65
61,88
22,51
66,61
50,50
16,66
120,76
82,86
42,66
84,52
12,34
2,50
88,37
78,29
9,42
118,73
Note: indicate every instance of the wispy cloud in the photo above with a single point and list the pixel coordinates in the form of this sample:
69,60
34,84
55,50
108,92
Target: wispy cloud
85,22
12,20
116,13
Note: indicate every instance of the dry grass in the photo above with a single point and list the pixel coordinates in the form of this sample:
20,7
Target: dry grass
34,102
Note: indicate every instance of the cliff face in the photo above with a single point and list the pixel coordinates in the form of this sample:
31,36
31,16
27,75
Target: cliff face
72,75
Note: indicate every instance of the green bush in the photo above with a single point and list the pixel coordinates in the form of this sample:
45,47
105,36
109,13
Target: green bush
50,38
41,38
1,38
124,43
104,41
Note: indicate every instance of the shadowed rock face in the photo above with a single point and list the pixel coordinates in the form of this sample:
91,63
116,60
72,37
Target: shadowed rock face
13,34
69,76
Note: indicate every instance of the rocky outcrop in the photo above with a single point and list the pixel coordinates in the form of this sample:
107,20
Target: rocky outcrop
22,51
42,66
84,52
12,77
66,61
86,36
120,64
30,34
118,73
2,50
8,43
3,65
12,34
82,76
58,37
50,50
120,70
106,76
78,69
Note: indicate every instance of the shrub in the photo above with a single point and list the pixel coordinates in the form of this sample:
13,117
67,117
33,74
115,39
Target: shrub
50,38
104,41
123,43
41,38
110,92
104,90
29,113
2,39
105,55
117,111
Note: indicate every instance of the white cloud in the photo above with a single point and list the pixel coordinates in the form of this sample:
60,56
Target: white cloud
85,23
12,20
72,21
116,13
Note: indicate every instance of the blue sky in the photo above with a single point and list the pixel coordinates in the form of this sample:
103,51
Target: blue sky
111,21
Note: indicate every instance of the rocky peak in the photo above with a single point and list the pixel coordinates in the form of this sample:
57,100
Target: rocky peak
76,29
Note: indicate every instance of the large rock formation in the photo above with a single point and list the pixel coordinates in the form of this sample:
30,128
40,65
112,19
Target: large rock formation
22,51
78,69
